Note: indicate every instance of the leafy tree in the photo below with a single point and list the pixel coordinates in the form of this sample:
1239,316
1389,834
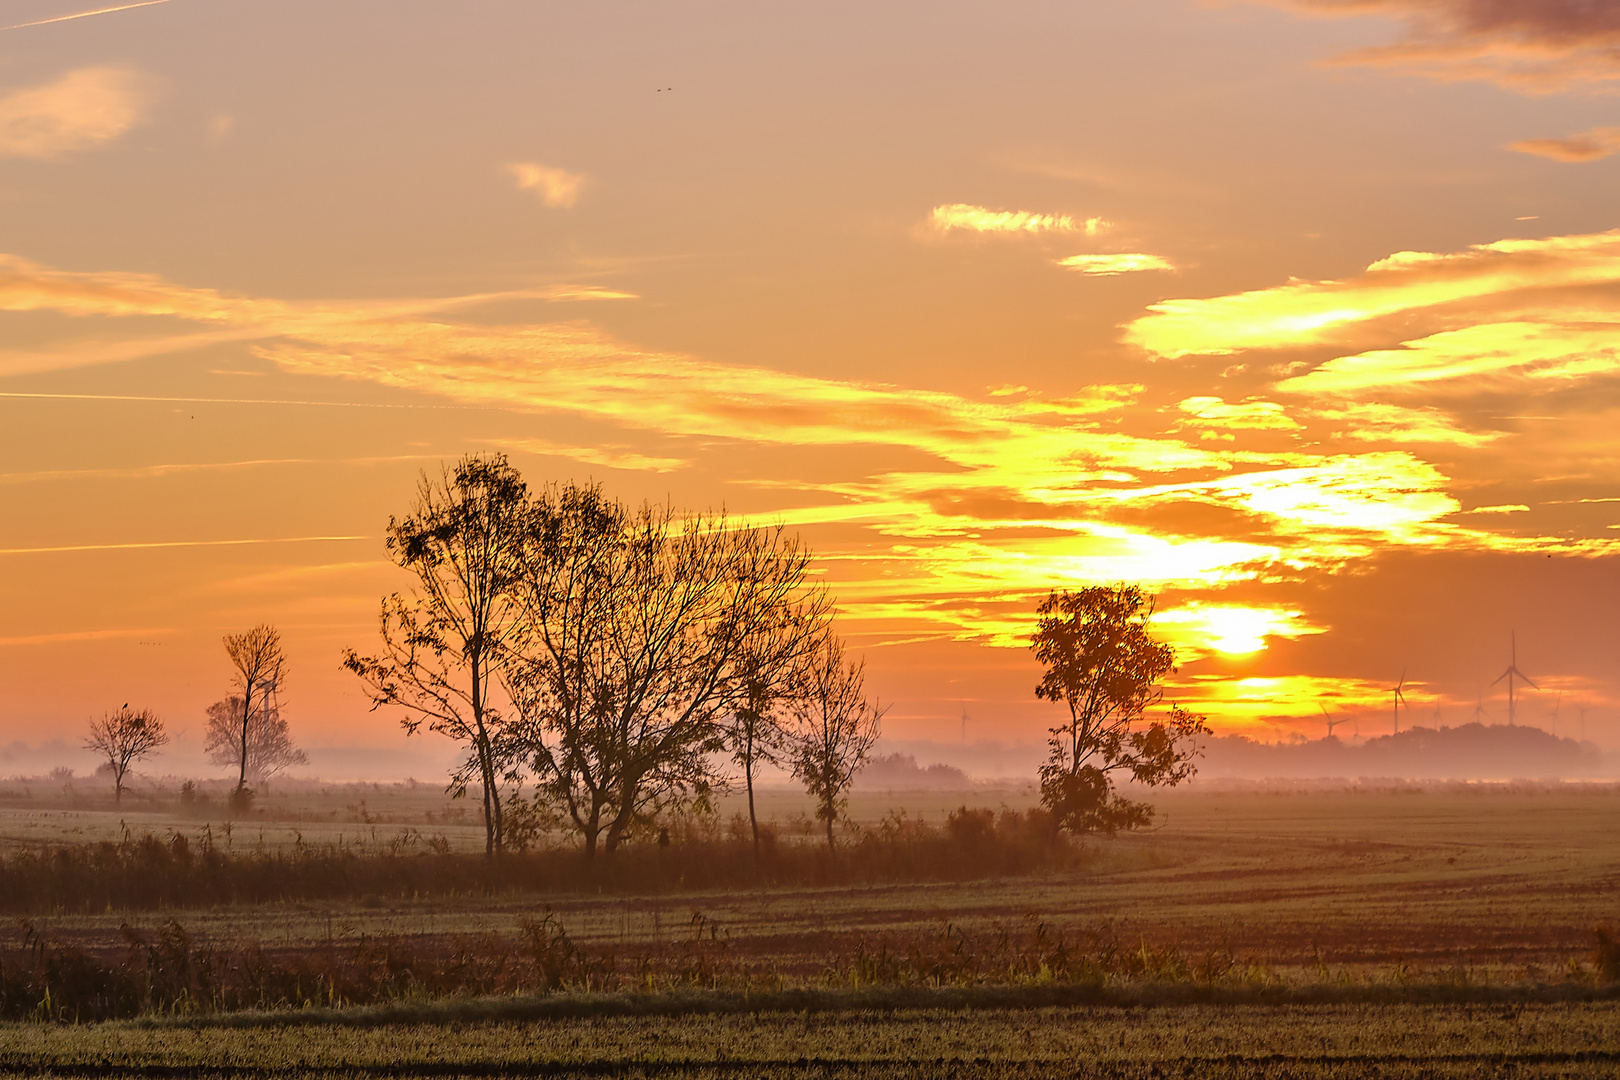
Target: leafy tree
259,661
123,738
1103,665
269,744
443,643
638,629
834,729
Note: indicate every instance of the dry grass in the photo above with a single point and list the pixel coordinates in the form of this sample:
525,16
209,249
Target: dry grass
1581,1040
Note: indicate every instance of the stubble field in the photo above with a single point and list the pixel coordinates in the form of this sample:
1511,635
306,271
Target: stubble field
1436,930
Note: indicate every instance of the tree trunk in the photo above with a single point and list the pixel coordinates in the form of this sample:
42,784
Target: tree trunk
830,813
748,779
753,821
247,711
486,764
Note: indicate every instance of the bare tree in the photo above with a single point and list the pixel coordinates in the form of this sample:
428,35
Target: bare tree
442,644
834,729
1104,666
270,749
123,738
260,663
769,680
636,628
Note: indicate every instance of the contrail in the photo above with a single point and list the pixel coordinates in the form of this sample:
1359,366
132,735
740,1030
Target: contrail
177,544
85,14
228,401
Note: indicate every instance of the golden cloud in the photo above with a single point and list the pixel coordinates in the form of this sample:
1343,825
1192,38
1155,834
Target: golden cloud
1316,312
1251,414
557,188
1108,265
1383,422
1004,496
1578,345
981,220
1590,145
80,110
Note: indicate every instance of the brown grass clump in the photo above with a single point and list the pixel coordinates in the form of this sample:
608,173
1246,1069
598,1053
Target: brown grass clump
150,872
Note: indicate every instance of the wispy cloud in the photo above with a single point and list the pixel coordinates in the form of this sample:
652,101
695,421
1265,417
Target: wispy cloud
1253,415
1108,265
179,544
979,219
1562,348
999,498
1318,312
557,188
80,110
1591,145
1537,46
1386,423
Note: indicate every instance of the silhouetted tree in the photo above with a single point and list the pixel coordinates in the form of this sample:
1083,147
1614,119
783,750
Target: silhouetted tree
259,662
123,738
769,681
442,644
639,628
1102,664
269,744
834,728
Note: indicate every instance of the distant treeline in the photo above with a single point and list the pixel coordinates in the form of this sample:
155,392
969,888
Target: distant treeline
1468,752
150,872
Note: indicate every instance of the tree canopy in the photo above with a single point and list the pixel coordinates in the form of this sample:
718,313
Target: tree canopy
1105,668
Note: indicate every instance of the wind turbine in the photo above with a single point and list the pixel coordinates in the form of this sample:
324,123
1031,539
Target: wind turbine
1479,708
1400,699
1583,722
1331,721
1558,703
1509,674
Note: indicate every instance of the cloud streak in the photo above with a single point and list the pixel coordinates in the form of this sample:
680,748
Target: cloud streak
1108,265
1321,312
964,217
1593,145
1535,46
999,498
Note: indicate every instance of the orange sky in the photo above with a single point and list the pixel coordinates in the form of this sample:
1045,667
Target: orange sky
1304,314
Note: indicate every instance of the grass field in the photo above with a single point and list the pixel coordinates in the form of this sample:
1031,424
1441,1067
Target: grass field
1383,902
1195,1041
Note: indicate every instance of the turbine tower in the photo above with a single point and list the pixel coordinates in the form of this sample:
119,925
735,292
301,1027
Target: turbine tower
1400,699
1510,674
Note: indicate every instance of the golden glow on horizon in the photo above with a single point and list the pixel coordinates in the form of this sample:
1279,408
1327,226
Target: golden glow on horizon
1233,629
